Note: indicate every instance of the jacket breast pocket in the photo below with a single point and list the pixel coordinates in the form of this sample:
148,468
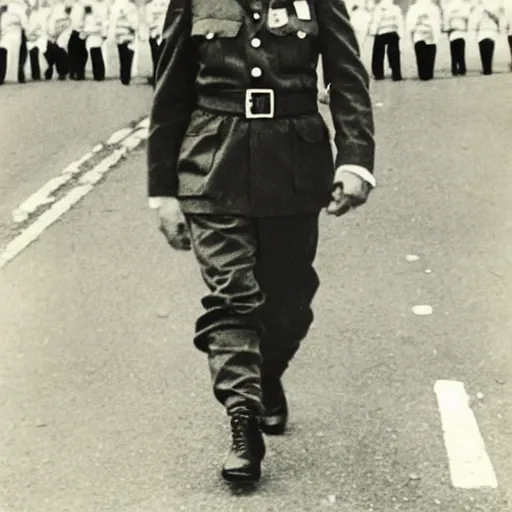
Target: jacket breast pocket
313,158
198,150
295,44
214,38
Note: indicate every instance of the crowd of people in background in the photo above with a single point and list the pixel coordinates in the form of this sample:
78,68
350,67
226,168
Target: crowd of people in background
69,32
425,22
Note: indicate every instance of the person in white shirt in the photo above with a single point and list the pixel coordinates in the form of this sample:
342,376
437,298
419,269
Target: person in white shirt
360,19
37,37
387,27
77,50
155,17
123,28
94,32
508,25
59,33
456,15
486,21
423,22
13,22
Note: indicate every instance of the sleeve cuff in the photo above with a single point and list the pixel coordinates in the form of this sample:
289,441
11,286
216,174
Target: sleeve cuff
362,172
155,202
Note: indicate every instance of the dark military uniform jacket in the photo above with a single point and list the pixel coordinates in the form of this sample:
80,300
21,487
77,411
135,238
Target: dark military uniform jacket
207,147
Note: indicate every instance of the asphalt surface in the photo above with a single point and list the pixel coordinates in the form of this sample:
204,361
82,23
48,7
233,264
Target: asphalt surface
106,405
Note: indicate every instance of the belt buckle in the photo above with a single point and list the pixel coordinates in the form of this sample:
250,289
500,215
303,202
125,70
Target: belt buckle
249,103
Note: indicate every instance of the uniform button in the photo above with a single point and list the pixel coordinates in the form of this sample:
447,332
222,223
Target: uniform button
256,72
255,43
301,34
256,15
210,35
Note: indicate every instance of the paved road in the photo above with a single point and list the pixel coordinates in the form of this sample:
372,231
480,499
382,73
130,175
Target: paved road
46,126
106,405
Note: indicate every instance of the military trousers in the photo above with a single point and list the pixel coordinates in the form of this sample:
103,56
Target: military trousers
261,281
458,56
486,48
389,43
78,55
425,59
125,62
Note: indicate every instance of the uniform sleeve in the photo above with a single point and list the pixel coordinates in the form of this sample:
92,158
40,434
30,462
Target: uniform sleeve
112,21
400,22
474,19
350,102
77,16
173,101
410,20
374,22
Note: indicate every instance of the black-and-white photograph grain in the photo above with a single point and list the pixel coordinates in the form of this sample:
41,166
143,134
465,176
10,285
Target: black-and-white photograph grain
255,255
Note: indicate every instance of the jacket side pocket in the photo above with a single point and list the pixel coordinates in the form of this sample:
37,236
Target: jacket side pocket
197,154
313,158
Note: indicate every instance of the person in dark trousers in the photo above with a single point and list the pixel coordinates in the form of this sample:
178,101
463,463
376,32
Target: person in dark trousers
3,44
22,56
239,167
423,22
59,30
123,27
36,36
94,32
486,20
507,21
77,51
13,21
387,27
455,23
155,17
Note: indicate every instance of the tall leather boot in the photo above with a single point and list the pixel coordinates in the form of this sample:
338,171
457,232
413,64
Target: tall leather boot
243,463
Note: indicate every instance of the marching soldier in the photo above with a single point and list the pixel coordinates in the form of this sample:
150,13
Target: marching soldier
240,165
123,27
508,23
423,22
456,15
155,16
37,40
13,24
94,32
77,50
486,21
59,33
387,27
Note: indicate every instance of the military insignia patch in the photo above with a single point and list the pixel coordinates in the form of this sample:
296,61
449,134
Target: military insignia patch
302,10
277,17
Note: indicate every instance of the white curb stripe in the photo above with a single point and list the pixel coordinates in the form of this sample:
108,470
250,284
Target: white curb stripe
118,136
31,234
470,466
130,139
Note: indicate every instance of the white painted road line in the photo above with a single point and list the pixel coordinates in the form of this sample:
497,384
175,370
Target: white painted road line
125,140
126,137
470,466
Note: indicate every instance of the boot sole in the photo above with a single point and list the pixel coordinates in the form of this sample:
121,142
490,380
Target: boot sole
241,477
273,430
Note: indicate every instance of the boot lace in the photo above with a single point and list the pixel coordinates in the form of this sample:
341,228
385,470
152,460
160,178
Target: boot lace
239,426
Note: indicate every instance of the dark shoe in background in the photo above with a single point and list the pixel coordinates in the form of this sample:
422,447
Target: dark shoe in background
275,417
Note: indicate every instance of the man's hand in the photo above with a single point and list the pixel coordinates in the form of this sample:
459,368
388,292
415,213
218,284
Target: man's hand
350,192
173,224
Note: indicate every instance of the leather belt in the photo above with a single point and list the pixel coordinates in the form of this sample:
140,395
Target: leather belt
260,103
